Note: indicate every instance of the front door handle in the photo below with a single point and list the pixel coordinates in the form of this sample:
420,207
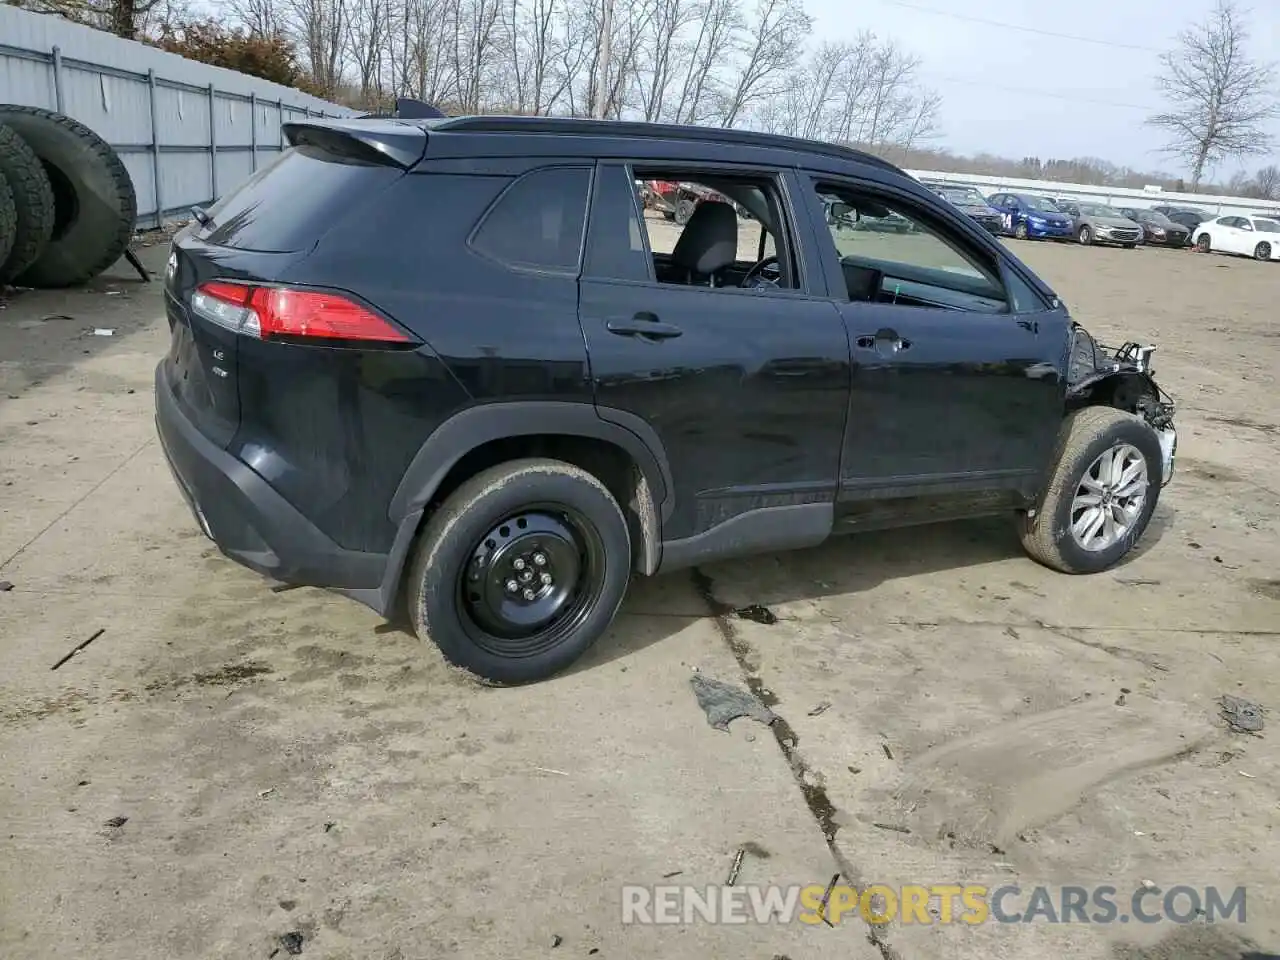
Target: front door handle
645,325
883,340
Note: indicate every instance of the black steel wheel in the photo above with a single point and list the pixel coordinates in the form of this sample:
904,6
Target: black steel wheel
530,579
520,570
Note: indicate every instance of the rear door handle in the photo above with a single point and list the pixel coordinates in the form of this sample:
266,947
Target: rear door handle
643,325
883,340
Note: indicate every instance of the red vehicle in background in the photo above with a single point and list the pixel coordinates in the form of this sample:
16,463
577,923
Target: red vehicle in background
677,201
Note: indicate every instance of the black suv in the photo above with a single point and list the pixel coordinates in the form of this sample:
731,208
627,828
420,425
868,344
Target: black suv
452,364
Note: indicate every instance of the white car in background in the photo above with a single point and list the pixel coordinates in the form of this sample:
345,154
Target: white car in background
1257,237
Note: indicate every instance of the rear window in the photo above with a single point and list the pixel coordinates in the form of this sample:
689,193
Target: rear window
290,203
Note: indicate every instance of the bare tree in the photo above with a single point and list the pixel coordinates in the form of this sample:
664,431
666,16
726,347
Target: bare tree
717,25
778,32
320,29
366,40
1219,98
1266,183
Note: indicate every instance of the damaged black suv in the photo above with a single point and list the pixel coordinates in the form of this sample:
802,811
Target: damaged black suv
454,365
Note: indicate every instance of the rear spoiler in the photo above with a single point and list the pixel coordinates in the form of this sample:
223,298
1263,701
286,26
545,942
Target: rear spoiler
384,141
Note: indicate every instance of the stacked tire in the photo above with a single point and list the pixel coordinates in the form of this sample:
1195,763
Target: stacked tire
67,204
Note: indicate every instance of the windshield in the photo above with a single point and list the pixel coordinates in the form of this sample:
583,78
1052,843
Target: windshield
1267,226
1159,219
963,195
1041,203
1098,210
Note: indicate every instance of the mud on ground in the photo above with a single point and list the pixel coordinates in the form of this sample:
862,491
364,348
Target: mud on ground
225,764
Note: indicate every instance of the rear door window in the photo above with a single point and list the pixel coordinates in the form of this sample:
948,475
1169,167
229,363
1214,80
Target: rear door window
294,200
538,222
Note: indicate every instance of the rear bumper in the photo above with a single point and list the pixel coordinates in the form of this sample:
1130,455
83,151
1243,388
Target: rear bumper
248,520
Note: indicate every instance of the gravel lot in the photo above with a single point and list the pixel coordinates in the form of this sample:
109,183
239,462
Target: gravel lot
288,763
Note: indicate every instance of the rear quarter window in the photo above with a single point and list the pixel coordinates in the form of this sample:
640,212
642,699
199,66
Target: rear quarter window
538,222
293,201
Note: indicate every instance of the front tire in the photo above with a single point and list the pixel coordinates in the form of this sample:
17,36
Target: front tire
1129,246
1085,235
521,570
1204,243
1101,494
1262,251
684,211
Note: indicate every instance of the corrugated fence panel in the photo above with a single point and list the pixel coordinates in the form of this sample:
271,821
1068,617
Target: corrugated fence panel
204,129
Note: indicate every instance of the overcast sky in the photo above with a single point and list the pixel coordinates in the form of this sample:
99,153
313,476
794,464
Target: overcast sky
1018,93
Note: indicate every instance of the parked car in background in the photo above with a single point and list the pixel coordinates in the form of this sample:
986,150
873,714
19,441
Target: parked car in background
1157,228
677,201
1257,237
970,202
1027,216
1189,217
1098,223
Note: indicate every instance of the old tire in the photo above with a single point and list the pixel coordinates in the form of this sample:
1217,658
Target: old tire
8,219
1262,251
1058,534
1204,243
1020,231
32,199
94,201
1085,235
508,524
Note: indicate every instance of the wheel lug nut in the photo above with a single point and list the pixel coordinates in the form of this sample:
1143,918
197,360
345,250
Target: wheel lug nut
545,578
512,586
528,594
526,576
518,563
540,559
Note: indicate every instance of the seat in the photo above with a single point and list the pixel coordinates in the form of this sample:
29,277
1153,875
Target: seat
709,242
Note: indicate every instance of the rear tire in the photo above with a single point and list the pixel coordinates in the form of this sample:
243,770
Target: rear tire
1020,231
32,199
1262,251
1058,535
517,518
8,219
95,206
684,210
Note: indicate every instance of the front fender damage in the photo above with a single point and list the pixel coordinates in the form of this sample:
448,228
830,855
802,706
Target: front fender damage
1122,378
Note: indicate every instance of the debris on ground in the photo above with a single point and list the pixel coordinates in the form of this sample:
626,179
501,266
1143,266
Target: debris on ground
292,942
103,332
673,873
263,794
329,825
722,702
5,586
887,752
79,646
556,940
756,614
820,709
1242,716
896,828
737,866
116,822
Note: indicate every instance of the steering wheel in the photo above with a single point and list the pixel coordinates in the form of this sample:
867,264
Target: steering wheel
757,270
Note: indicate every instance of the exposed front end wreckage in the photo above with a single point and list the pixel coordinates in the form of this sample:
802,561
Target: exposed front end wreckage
1122,378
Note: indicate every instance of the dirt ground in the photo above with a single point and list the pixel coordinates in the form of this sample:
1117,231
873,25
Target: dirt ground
225,764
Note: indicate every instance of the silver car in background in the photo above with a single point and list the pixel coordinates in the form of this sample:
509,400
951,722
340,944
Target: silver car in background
1098,223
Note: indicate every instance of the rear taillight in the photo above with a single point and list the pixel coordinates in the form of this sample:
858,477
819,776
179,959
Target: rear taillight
272,313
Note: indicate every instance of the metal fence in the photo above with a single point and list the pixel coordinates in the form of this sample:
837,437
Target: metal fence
186,131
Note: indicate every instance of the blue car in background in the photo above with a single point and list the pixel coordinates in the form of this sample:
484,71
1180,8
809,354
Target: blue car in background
1029,217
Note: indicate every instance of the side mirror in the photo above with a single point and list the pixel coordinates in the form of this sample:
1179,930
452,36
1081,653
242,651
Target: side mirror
843,211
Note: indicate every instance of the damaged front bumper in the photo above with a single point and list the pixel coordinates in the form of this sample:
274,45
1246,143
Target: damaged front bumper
1123,378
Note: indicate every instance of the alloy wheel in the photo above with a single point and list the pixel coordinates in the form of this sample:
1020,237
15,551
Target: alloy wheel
1109,498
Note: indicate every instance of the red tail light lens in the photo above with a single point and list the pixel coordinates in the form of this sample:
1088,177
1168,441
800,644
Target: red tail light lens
274,312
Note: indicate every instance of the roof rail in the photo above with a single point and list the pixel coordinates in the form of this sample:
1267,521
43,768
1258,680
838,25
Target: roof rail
656,131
